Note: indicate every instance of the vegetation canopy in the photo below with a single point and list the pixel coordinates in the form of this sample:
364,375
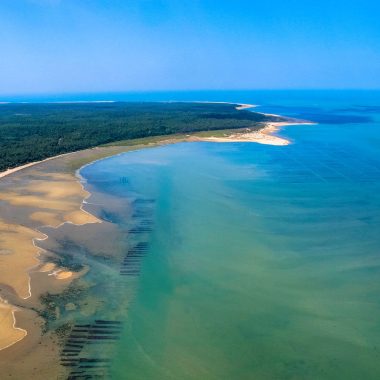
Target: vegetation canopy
32,132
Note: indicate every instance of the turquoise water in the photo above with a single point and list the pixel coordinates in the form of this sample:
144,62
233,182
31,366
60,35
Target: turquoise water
261,262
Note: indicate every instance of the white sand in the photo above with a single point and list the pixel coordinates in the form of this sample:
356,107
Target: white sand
262,136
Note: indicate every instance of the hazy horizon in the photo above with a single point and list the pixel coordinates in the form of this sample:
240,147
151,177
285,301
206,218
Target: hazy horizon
359,96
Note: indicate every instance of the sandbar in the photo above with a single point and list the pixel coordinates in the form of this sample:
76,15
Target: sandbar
48,193
263,136
9,333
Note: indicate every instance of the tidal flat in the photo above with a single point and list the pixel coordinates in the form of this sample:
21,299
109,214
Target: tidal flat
57,244
212,261
49,242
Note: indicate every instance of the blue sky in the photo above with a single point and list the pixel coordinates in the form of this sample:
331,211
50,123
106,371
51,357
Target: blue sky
57,46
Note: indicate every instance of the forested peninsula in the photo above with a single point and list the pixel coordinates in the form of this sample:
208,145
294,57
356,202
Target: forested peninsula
32,132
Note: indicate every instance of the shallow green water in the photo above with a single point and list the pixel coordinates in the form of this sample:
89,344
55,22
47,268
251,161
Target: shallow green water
262,263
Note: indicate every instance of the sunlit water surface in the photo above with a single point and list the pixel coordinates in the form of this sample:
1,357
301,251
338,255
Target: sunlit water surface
257,262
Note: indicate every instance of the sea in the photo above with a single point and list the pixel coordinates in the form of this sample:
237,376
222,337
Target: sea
240,260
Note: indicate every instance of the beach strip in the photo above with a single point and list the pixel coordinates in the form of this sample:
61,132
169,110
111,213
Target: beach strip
265,135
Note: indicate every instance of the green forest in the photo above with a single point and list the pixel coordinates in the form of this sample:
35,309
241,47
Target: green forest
32,132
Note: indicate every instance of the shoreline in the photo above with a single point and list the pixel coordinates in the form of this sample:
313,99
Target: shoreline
264,136
71,169
13,309
5,173
50,197
48,175
238,106
8,172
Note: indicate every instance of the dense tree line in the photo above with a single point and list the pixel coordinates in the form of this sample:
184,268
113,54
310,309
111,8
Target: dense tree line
31,132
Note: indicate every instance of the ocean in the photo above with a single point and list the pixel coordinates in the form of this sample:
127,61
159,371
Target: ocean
245,261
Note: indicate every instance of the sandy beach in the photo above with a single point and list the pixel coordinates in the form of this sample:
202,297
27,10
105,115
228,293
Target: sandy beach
34,196
10,333
265,135
53,199
5,173
49,193
22,167
245,106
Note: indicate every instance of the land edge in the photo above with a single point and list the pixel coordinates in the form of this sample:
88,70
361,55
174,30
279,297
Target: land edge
14,309
258,136
40,251
267,135
238,106
268,129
